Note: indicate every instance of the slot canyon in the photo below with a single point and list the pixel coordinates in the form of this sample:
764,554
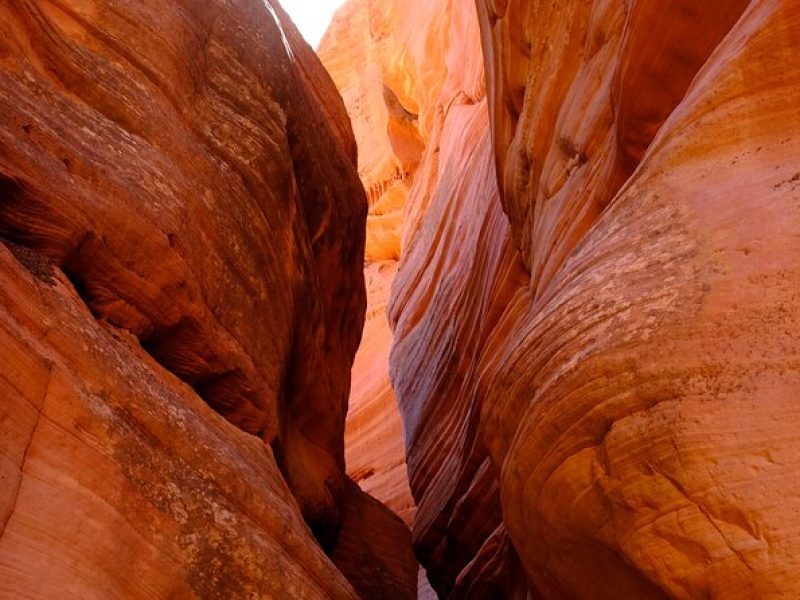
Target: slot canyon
478,299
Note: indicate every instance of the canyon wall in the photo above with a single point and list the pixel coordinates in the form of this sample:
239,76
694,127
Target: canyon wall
182,296
642,411
413,83
388,70
594,364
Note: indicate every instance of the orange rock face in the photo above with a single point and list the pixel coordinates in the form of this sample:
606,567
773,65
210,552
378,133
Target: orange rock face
597,386
400,68
415,73
388,70
117,479
438,365
182,296
374,449
641,412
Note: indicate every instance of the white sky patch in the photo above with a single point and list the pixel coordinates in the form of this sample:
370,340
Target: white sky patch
312,17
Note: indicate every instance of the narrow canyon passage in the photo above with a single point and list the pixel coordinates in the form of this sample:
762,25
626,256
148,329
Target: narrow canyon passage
594,361
481,299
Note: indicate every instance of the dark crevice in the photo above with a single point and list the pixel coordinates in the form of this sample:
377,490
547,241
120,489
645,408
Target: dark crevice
36,263
570,149
657,69
185,348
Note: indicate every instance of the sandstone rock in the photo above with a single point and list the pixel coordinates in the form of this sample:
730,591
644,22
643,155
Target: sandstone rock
412,78
633,385
596,386
461,263
118,480
374,549
183,232
374,449
380,65
641,412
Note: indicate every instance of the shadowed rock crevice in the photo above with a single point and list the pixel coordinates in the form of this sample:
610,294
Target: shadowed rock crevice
655,70
427,75
107,283
566,149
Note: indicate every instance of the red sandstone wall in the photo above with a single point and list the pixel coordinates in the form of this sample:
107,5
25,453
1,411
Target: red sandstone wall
596,366
182,296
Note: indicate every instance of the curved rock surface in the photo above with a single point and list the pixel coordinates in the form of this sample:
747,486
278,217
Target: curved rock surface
399,67
374,449
118,480
461,263
387,60
182,240
388,70
642,409
412,78
597,386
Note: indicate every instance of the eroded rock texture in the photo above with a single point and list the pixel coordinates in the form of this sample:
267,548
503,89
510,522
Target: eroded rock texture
374,449
388,70
413,83
183,231
374,549
643,409
400,67
598,385
462,263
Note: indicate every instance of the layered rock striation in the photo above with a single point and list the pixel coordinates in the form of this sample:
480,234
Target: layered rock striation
581,221
640,413
182,245
374,448
412,78
595,366
388,70
400,68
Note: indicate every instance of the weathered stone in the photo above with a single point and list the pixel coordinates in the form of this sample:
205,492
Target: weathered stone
182,240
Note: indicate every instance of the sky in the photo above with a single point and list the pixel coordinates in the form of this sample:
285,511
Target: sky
312,17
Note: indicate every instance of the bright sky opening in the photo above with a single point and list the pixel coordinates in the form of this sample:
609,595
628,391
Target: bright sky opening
312,17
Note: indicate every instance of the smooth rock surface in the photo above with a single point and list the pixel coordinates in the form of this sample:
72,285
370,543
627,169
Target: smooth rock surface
384,65
595,367
374,549
462,263
118,480
412,77
374,448
641,412
182,240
